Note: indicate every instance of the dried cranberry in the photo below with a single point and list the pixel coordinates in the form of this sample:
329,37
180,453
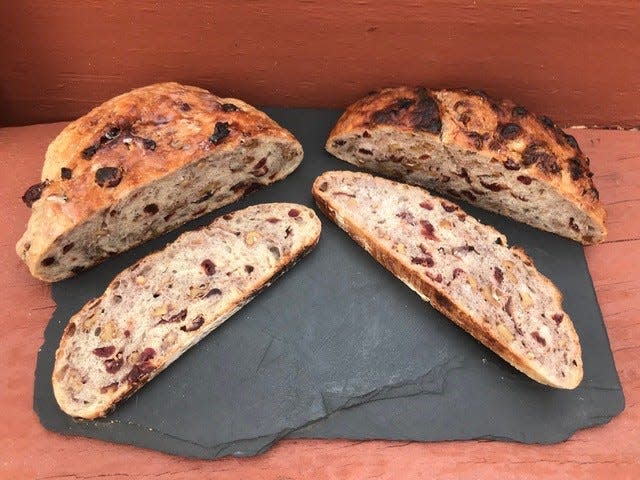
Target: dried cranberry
248,268
575,168
33,193
476,138
212,292
229,107
547,122
524,179
427,260
427,230
536,336
112,365
208,266
177,318
457,272
220,132
195,324
469,195
497,274
427,205
448,207
519,112
509,164
260,169
509,131
557,317
294,212
139,371
108,177
66,173
151,209
535,152
104,351
494,187
435,278
127,334
148,144
464,174
89,152
146,355
71,329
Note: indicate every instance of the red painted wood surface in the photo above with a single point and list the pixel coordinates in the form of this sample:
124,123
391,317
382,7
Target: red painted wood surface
611,451
577,61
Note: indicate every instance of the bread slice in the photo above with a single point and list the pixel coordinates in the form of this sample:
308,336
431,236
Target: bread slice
162,305
469,146
142,164
463,268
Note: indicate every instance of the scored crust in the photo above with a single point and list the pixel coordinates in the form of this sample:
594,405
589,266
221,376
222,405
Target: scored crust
436,293
210,282
420,133
102,162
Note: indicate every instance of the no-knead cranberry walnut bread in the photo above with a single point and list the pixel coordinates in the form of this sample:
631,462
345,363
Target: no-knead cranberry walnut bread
159,307
463,268
142,164
464,144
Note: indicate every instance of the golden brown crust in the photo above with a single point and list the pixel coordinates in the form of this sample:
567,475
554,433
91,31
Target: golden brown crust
130,141
497,129
438,297
154,113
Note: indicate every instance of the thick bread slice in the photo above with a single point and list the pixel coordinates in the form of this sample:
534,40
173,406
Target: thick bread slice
156,309
466,145
142,164
463,268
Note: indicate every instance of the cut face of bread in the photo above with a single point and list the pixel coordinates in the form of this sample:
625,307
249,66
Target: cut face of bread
142,164
462,267
468,146
155,310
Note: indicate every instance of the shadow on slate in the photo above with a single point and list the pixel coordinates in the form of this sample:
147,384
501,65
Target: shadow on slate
339,348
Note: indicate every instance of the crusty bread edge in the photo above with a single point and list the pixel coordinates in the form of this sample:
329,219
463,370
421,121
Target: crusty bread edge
441,301
349,123
104,408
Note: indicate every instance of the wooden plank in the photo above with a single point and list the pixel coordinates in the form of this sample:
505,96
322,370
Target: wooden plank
61,58
612,450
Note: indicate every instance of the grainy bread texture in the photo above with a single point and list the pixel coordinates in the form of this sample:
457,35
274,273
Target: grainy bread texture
142,164
466,145
156,309
463,268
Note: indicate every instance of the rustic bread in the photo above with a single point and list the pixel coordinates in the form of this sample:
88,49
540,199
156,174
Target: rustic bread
142,164
463,268
490,153
156,309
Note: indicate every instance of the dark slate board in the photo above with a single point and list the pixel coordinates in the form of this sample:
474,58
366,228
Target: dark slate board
339,348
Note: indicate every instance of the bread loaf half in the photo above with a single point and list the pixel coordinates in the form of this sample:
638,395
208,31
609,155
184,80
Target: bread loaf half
466,145
156,309
463,268
142,164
